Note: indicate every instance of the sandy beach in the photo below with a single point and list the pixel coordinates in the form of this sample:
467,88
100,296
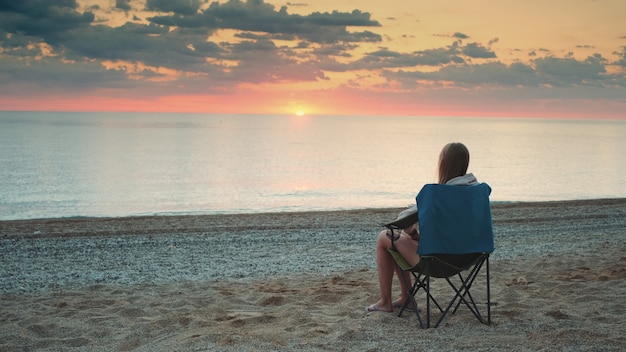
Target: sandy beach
301,281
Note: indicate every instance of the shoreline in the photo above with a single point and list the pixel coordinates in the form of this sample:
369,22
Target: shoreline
301,281
376,209
8,227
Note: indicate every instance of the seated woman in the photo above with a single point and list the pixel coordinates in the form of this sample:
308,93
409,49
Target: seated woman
453,164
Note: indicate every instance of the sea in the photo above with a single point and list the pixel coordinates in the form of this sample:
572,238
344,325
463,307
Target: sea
76,164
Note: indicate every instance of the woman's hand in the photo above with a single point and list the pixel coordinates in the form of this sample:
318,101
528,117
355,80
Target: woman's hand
413,232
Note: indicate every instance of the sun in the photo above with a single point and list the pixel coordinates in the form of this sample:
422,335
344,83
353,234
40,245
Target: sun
299,113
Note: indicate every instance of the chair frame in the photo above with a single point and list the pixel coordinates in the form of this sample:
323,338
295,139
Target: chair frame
425,269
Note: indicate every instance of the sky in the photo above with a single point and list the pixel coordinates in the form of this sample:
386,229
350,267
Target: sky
488,58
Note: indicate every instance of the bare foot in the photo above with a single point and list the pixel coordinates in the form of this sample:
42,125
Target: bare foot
400,303
376,308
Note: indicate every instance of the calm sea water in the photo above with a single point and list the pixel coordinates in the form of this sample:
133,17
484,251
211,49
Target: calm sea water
104,164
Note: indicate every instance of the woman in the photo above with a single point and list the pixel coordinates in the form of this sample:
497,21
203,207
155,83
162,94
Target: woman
453,163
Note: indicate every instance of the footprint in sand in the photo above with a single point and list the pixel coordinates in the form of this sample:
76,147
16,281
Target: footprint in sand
521,281
239,319
273,301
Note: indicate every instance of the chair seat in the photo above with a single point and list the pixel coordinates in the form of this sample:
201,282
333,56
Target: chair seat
445,265
438,265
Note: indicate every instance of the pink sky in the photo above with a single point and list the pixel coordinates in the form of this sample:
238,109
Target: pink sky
558,58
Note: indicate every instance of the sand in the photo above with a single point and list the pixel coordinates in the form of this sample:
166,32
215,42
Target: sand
301,282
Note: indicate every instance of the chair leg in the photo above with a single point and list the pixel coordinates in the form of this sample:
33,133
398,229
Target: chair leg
431,302
485,262
463,292
466,285
488,293
428,297
423,282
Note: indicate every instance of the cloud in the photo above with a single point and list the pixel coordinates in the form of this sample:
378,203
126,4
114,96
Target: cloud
622,61
460,35
52,43
476,51
257,16
44,19
457,35
568,71
541,72
50,74
178,41
492,74
455,53
181,7
123,5
431,57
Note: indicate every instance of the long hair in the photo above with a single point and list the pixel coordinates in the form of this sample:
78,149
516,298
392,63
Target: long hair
453,161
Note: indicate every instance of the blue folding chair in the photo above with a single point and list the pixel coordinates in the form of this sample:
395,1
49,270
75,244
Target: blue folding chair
456,238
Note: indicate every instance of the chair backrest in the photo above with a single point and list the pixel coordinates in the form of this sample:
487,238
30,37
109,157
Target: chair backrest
455,219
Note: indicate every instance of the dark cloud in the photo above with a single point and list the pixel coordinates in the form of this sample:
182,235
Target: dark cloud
40,18
456,53
141,43
50,74
33,6
122,5
476,51
457,35
336,50
569,71
516,74
622,61
181,7
460,35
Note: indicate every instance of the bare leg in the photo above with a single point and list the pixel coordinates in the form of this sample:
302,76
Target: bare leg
386,267
404,289
408,249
